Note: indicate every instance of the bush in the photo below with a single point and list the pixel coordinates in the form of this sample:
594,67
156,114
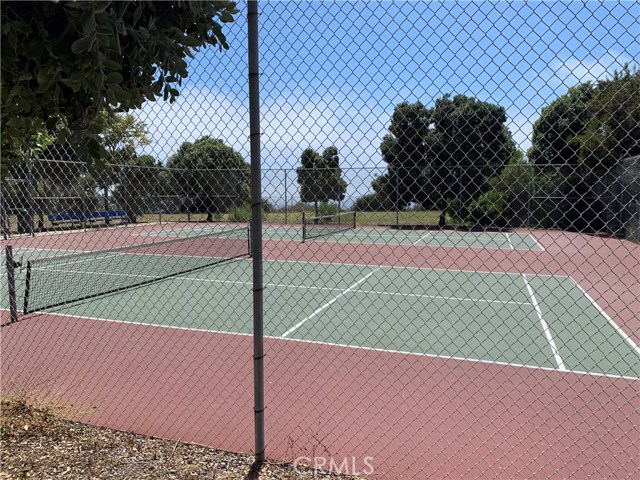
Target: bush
327,209
268,206
241,213
369,203
489,209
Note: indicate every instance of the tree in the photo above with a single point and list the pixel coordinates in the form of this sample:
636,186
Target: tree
138,189
592,125
212,176
379,200
121,135
320,177
404,151
335,185
579,138
64,63
309,177
444,153
612,128
554,142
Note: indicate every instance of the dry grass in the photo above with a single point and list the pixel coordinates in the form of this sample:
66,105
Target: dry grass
39,442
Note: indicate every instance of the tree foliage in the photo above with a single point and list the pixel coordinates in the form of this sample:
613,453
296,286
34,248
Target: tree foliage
405,152
446,152
320,177
612,130
578,143
212,175
138,180
592,125
554,141
64,63
121,134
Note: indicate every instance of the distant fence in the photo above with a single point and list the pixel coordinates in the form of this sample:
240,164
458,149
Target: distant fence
571,198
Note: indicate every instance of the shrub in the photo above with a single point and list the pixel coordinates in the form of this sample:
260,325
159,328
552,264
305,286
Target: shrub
241,213
327,209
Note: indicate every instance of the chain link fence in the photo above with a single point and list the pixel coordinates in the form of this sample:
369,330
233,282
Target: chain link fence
451,258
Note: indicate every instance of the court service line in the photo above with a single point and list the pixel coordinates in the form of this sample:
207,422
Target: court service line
436,236
328,304
545,326
341,345
436,245
357,290
617,328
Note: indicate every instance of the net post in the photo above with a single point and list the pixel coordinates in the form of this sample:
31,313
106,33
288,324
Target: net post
256,229
3,215
11,283
354,220
27,288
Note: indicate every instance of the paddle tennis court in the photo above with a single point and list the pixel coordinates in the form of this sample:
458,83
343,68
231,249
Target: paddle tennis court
519,319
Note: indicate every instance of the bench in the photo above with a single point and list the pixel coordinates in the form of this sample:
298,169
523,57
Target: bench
87,217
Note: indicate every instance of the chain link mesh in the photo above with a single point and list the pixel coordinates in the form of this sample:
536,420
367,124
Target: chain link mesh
478,320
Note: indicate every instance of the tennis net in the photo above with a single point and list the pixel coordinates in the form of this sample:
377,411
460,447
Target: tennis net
55,281
313,227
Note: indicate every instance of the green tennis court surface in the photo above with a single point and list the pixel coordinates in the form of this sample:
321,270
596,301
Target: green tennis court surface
385,236
530,320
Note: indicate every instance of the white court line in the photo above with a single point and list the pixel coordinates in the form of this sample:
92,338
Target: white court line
621,332
536,242
357,290
351,347
439,245
422,237
52,250
545,327
440,241
509,240
402,267
326,305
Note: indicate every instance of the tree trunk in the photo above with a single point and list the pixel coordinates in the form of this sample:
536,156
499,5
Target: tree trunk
442,221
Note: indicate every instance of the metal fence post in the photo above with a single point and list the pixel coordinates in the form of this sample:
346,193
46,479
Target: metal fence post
11,284
286,209
256,229
30,208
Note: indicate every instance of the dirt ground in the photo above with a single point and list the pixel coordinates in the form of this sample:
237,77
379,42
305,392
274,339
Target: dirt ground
39,442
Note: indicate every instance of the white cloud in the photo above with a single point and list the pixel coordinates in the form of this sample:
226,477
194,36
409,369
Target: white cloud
572,71
288,125
195,113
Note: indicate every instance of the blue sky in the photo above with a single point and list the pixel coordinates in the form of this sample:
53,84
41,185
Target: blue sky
332,72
